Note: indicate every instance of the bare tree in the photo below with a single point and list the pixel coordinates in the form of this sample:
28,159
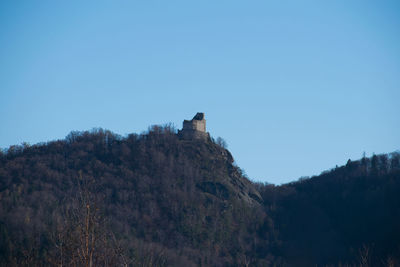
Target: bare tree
221,142
82,237
364,252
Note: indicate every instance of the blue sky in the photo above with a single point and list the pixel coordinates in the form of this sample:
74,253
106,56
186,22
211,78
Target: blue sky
294,87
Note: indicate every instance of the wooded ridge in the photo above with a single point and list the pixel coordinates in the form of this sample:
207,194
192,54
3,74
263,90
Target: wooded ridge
99,199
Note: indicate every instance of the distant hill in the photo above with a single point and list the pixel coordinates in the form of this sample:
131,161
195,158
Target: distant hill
157,200
350,214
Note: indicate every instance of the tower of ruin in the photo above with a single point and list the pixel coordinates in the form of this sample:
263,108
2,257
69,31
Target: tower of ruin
194,129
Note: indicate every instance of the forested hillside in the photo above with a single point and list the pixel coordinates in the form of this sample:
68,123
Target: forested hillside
350,214
156,200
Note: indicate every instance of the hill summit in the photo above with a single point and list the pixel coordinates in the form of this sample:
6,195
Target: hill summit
161,194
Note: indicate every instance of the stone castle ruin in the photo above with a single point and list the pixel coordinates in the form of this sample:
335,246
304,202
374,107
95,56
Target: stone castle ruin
194,129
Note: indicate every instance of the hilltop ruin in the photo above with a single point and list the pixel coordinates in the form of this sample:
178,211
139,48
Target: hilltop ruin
194,129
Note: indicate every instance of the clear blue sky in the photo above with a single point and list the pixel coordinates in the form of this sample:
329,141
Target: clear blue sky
294,87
